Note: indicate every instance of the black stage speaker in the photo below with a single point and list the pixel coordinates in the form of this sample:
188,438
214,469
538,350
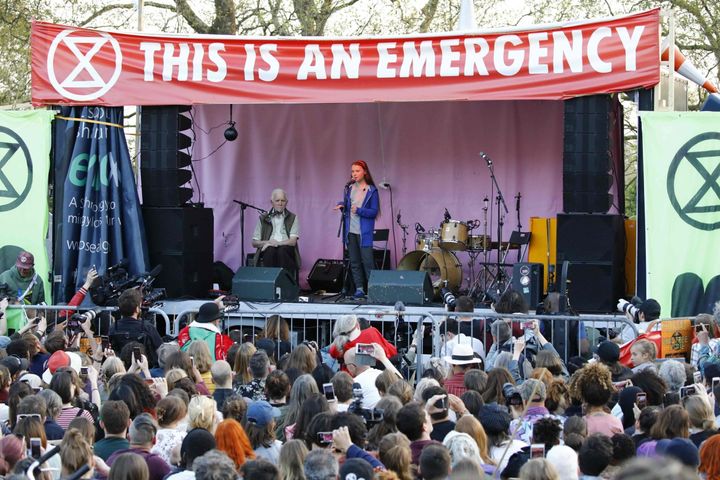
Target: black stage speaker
327,274
408,286
595,287
590,238
164,142
594,244
181,240
589,143
265,284
528,279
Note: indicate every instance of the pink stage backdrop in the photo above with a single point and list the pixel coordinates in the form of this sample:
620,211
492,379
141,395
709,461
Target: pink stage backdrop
427,152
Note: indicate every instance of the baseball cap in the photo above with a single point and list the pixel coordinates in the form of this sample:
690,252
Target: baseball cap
25,260
609,352
356,469
61,359
15,364
260,413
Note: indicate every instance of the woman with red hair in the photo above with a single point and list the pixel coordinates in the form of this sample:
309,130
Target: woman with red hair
360,206
230,437
12,450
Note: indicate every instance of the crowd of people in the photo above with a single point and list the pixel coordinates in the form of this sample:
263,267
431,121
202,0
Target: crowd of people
210,406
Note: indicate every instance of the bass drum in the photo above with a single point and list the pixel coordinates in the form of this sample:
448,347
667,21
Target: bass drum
440,265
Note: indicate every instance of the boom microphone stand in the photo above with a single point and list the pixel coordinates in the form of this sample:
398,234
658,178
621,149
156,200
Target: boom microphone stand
500,199
342,235
243,207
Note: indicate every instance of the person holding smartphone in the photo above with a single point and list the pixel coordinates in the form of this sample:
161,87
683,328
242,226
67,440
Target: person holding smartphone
366,375
704,344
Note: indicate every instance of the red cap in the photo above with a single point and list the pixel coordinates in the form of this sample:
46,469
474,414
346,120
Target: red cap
25,260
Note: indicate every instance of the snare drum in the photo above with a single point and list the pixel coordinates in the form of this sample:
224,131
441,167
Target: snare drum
454,235
479,243
426,241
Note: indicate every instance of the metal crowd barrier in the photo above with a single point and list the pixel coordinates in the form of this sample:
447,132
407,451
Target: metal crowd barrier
318,325
53,313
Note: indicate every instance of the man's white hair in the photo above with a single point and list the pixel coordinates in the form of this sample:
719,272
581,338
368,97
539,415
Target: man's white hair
278,191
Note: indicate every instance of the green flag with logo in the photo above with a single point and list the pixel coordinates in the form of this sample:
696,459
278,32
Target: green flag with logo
24,167
681,158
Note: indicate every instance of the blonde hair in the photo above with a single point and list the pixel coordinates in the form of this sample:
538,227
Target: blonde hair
242,361
472,426
201,412
172,376
111,366
646,347
200,352
699,411
344,325
292,459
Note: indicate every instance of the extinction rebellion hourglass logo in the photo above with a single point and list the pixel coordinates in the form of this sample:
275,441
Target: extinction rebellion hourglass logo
693,181
16,170
83,81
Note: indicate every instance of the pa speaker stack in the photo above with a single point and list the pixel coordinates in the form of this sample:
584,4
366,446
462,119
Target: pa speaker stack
180,237
595,247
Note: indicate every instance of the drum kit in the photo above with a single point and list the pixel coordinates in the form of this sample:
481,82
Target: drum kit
436,252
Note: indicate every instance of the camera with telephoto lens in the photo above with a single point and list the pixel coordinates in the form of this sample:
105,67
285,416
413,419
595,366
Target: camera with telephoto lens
512,396
74,323
371,416
448,298
631,308
108,287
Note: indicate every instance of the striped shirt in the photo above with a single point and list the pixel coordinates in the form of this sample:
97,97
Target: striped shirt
69,413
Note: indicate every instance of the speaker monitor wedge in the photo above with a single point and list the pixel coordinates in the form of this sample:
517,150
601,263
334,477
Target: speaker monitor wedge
264,284
408,286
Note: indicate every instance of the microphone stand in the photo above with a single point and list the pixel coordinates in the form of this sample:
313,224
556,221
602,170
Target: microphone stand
404,229
342,235
243,207
519,225
500,200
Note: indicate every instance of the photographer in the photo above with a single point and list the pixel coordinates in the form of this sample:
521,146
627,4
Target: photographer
642,313
131,327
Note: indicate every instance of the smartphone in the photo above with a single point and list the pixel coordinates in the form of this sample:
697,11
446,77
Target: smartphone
687,391
699,327
35,446
537,450
442,403
364,349
329,392
136,354
104,342
325,438
528,325
715,383
83,370
697,377
641,400
620,385
37,390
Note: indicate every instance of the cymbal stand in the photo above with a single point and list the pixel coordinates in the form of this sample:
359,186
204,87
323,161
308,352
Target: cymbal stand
479,281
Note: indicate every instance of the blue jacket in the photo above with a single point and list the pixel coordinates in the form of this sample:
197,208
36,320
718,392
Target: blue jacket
367,213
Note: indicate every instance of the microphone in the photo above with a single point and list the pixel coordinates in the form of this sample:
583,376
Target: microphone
419,228
155,271
122,264
447,215
399,319
517,202
484,156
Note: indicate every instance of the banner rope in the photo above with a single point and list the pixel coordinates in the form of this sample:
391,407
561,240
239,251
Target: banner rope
99,122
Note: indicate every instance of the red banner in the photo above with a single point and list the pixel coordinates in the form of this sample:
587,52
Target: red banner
80,66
